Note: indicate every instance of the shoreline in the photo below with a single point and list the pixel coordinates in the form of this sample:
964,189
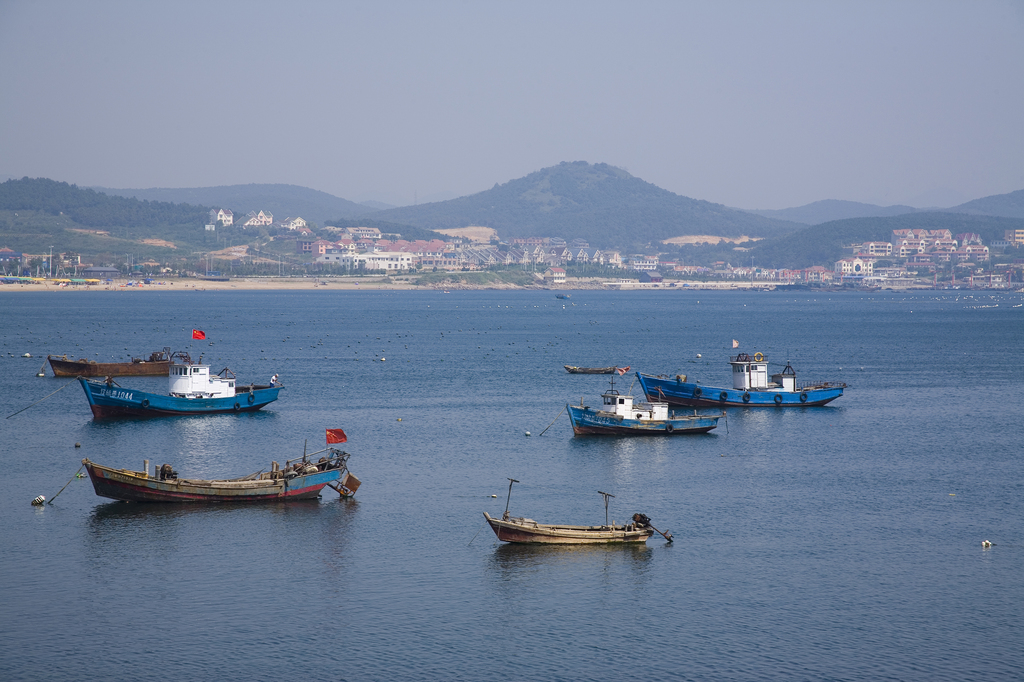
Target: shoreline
376,283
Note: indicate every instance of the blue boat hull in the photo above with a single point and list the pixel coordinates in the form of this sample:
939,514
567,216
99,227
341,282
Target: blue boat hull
113,401
677,392
586,421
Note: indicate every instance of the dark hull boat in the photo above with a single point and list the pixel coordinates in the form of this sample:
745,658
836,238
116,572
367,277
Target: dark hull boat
301,479
751,388
573,369
157,365
619,415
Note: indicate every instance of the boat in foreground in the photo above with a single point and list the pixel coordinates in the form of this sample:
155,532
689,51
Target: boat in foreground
620,416
751,387
157,365
300,479
522,530
528,531
193,390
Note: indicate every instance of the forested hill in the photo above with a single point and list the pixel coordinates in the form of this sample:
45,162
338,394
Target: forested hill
823,244
1008,205
828,210
284,201
95,209
600,203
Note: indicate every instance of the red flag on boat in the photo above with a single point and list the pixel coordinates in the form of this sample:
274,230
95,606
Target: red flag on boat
622,370
336,436
198,334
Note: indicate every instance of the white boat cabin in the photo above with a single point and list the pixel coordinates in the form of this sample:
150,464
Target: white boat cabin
750,373
195,381
623,406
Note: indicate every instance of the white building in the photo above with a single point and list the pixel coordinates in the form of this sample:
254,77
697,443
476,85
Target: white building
854,266
384,260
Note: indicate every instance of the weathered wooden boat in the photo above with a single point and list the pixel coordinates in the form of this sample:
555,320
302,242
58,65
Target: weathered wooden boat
193,390
620,415
751,387
573,369
523,530
156,365
300,479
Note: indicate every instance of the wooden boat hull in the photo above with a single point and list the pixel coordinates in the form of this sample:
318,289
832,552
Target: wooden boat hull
134,486
586,421
528,531
84,368
572,369
108,402
676,392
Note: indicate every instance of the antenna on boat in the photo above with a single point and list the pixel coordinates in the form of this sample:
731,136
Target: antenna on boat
606,496
510,482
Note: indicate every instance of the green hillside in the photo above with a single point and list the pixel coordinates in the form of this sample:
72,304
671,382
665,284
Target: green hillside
37,214
823,244
284,201
1007,205
600,203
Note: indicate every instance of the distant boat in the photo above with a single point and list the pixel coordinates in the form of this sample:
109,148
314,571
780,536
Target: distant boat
528,531
751,387
563,296
620,416
300,479
573,369
192,390
157,365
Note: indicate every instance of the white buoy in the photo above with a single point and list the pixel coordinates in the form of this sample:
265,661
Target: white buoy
527,433
984,543
383,359
698,355
39,500
26,355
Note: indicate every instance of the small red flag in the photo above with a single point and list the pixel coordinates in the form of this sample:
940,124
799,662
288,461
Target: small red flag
336,436
622,370
198,334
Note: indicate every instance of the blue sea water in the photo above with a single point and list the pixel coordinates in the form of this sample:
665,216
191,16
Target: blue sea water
835,543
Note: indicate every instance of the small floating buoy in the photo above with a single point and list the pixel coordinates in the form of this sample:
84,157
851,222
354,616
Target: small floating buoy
39,500
26,355
41,374
527,433
78,445
698,355
493,495
399,419
986,544
383,359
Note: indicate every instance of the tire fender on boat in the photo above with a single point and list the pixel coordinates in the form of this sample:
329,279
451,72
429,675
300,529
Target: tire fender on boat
252,398
723,396
145,402
778,398
237,407
698,392
746,397
803,397
668,428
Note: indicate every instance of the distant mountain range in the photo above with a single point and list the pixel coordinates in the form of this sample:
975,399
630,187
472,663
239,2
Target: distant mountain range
998,205
602,204
283,201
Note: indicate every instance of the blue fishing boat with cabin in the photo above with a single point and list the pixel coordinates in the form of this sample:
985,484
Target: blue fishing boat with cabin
621,416
192,390
751,387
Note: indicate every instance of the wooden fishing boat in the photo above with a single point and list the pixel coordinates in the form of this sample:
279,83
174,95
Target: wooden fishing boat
300,479
573,369
528,531
751,387
192,390
523,530
621,416
156,365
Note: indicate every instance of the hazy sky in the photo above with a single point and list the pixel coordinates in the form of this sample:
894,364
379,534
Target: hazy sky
751,104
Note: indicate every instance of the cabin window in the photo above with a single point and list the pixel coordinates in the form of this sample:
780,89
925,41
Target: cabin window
622,401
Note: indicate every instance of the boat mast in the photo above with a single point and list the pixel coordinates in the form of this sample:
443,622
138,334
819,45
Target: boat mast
606,496
510,482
